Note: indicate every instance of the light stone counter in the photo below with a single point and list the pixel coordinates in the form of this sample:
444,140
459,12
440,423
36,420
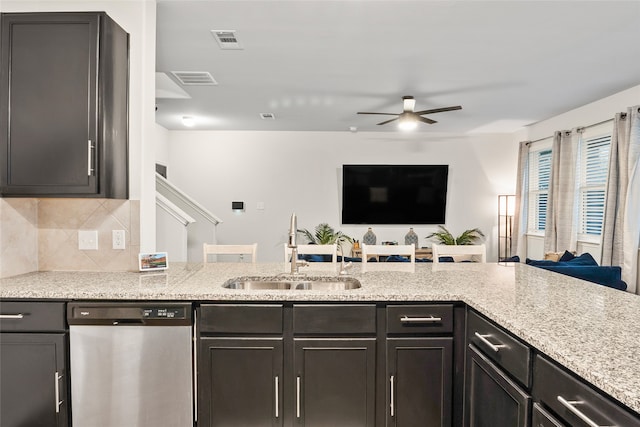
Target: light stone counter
591,329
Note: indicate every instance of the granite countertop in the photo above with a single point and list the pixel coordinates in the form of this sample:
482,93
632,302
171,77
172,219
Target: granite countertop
591,329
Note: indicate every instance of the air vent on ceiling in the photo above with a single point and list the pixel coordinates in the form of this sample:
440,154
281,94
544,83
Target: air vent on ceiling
267,116
226,39
193,78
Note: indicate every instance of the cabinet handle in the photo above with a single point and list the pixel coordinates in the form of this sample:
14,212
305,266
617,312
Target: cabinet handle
57,378
430,319
298,396
277,385
570,405
89,158
494,347
12,316
392,407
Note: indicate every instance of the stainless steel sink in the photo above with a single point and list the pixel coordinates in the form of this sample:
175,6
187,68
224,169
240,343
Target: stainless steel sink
257,284
293,283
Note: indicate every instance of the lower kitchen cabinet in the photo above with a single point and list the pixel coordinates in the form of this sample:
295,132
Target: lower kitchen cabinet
492,398
420,381
241,382
335,382
33,367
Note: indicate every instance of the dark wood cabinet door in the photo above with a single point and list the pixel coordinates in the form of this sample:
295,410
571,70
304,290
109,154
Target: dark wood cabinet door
419,382
33,380
334,382
63,86
492,399
240,382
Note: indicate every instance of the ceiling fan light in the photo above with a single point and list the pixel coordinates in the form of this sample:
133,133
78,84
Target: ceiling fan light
407,123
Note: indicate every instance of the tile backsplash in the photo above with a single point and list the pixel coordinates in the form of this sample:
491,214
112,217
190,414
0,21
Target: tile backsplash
42,234
18,236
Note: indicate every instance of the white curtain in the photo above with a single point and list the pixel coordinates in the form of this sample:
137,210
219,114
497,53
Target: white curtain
520,214
621,229
562,213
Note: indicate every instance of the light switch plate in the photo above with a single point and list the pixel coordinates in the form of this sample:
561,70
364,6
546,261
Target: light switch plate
87,240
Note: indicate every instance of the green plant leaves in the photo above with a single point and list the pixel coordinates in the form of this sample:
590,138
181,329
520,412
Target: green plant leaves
325,235
468,237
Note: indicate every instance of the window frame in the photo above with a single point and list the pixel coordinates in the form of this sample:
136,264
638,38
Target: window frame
533,180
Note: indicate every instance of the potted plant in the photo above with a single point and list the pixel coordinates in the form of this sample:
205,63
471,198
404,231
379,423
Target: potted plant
325,235
468,237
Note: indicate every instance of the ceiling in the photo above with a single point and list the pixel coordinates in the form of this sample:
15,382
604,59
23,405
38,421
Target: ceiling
314,64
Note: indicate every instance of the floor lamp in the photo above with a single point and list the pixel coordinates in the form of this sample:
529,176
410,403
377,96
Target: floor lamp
506,208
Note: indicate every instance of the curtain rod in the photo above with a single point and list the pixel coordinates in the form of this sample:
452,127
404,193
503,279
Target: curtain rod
581,128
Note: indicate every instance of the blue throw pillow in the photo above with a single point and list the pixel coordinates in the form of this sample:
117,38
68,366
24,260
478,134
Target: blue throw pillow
566,256
584,259
540,262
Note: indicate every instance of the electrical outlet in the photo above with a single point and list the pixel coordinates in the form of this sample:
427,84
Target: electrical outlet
117,237
87,240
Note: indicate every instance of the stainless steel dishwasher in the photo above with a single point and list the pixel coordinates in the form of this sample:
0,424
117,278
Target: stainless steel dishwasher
131,364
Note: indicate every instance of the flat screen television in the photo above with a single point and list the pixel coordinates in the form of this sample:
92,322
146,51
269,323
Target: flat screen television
394,194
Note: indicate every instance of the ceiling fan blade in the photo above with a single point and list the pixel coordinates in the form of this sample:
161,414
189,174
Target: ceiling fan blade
384,114
426,120
388,121
439,110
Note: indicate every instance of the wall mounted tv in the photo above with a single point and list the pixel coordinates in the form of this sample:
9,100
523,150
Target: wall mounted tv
394,194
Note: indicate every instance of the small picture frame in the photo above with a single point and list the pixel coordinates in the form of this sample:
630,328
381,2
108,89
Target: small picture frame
153,261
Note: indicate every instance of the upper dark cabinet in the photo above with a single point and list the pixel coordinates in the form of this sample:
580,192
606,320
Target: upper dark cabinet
64,105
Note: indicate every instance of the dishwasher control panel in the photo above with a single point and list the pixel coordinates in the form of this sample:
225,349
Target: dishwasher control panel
164,313
129,313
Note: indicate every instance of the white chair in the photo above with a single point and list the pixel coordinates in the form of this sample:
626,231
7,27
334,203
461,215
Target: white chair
241,250
476,252
313,250
387,250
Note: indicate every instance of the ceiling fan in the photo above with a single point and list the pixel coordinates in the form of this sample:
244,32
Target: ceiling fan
409,119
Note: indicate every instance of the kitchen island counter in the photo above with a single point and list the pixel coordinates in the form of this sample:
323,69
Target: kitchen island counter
591,329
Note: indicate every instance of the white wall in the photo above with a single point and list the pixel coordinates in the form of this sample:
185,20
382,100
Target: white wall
138,18
300,172
595,112
161,142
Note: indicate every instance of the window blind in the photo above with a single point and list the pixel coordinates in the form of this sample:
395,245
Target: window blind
539,178
594,164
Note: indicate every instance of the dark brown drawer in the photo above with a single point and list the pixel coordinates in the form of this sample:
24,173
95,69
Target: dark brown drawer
32,316
541,418
500,346
574,401
420,319
334,319
240,319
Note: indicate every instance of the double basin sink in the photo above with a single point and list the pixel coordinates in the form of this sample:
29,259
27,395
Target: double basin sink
293,283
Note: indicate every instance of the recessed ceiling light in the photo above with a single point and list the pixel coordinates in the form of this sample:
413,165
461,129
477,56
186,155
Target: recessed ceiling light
188,121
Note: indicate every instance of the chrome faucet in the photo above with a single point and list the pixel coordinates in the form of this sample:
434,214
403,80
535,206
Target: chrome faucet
343,266
293,245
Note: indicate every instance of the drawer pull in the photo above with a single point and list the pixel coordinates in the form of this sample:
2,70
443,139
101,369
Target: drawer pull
431,319
298,396
11,316
570,405
494,347
392,407
59,402
277,386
